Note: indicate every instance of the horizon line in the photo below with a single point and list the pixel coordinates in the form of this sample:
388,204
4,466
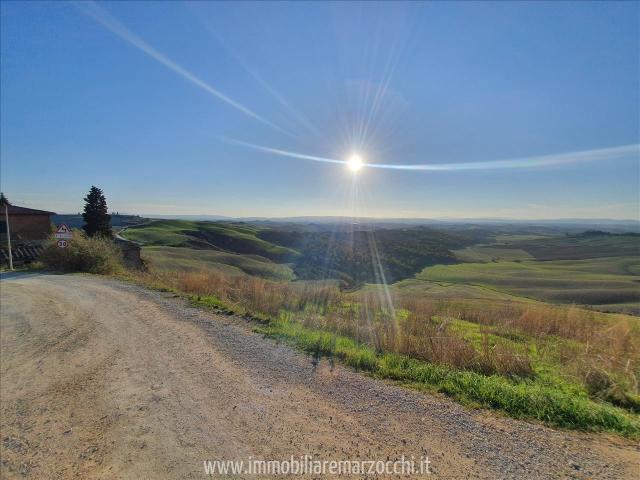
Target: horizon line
347,217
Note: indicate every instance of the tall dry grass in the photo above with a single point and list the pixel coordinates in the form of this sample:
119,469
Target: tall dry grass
591,346
369,317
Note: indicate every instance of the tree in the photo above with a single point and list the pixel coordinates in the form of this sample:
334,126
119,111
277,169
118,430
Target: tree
97,221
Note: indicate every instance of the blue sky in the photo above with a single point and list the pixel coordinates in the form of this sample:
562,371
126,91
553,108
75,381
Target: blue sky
156,103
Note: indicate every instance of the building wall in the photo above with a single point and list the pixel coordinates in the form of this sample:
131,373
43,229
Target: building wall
26,227
130,253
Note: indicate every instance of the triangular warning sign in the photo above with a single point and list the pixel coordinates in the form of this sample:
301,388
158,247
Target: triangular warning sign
62,228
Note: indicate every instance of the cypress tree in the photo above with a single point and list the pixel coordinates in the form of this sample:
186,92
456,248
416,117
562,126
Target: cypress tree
97,220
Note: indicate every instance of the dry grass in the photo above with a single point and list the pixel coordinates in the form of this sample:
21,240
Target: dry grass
582,342
367,317
591,346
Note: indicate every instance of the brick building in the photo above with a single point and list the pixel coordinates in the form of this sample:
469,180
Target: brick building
25,224
29,228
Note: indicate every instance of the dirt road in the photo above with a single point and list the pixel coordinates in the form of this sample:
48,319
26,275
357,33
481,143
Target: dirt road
102,379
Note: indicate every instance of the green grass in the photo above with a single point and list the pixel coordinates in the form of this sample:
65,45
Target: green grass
188,259
607,283
527,399
490,253
226,236
447,291
579,247
161,232
519,237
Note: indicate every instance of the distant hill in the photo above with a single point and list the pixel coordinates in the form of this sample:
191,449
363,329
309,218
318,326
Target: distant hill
557,225
354,255
117,221
236,237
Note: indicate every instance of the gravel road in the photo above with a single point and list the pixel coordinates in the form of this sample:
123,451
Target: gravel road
103,379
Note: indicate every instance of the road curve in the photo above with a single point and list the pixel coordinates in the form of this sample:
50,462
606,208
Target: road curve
103,379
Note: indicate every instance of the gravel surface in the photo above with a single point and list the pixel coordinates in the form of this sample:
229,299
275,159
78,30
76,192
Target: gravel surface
104,379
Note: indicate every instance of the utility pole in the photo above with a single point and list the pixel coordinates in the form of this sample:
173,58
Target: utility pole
6,219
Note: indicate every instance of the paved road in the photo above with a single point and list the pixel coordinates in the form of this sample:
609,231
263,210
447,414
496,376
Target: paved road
102,379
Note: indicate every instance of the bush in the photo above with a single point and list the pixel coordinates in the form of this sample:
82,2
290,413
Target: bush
84,254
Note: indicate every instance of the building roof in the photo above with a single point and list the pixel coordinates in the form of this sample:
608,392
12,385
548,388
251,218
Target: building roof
15,210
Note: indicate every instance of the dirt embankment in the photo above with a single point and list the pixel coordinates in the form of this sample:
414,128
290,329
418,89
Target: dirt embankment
102,379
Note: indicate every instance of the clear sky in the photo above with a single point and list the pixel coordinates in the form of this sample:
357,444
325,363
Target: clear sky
167,107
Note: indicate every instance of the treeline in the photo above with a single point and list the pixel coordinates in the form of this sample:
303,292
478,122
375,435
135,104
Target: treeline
366,255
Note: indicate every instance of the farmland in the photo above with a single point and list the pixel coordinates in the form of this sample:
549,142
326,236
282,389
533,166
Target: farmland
188,259
513,308
595,269
606,283
351,255
233,237
577,246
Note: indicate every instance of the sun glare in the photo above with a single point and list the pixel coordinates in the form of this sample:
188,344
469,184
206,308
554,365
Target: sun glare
355,163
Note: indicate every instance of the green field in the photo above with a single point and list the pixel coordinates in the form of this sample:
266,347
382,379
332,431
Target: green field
588,245
577,247
490,253
454,292
227,236
519,237
608,283
189,259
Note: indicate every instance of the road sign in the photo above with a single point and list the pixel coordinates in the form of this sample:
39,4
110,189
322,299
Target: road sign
63,232
63,244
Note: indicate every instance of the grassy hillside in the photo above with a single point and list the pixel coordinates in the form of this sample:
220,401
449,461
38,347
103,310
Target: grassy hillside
608,283
227,236
553,247
592,244
352,254
189,259
490,253
359,254
591,268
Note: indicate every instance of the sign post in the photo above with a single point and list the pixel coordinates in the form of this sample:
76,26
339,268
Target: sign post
63,233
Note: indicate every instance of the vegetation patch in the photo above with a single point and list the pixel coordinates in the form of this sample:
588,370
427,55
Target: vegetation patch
191,260
84,254
601,282
520,399
490,253
227,236
527,359
590,244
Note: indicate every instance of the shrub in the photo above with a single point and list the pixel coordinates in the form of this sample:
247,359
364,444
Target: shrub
93,255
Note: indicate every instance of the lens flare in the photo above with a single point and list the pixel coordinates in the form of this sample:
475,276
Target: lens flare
355,162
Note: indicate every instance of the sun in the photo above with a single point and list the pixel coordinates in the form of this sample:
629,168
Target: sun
355,162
